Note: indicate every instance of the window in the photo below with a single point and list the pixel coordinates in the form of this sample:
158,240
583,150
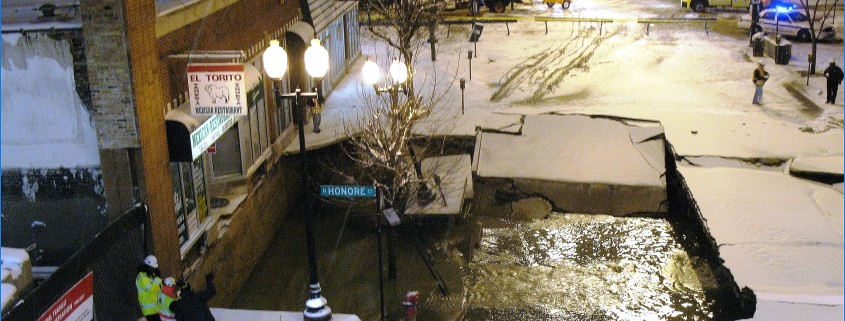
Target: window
768,15
797,17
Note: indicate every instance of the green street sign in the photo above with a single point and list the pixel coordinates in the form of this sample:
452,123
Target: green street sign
348,191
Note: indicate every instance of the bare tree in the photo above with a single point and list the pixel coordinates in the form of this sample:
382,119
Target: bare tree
387,140
817,26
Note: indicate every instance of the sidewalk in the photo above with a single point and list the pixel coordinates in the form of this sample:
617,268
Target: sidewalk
256,315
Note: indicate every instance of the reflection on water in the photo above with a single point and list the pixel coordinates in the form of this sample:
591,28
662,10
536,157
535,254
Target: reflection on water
582,267
566,267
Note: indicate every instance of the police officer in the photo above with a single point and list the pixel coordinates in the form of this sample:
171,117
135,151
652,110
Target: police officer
834,77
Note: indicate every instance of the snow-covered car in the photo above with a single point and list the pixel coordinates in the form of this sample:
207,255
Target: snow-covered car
787,22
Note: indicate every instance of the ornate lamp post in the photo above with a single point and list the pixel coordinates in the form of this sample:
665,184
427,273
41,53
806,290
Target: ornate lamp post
398,74
317,64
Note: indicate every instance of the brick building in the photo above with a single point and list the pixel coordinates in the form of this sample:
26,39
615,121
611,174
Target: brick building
128,90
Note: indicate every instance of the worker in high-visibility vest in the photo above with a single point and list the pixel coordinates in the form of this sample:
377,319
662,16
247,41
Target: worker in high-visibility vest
165,298
148,284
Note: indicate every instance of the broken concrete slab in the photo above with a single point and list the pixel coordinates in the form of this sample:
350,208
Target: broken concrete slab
584,164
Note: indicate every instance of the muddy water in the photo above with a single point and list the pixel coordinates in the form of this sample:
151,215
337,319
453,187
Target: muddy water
583,267
566,267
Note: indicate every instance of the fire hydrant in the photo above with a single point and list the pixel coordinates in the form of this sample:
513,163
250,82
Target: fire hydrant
410,304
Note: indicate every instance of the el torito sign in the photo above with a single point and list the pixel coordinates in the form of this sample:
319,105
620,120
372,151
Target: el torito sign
217,89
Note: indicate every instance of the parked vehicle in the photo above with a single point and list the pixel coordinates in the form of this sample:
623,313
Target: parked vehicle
788,22
701,5
496,6
563,3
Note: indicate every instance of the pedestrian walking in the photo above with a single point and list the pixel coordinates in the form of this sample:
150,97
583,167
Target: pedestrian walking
193,306
760,78
316,110
167,296
148,284
834,77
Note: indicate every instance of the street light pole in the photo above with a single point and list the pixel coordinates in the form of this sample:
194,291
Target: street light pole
316,63
469,57
463,85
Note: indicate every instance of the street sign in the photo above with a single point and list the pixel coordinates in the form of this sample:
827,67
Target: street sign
348,191
476,32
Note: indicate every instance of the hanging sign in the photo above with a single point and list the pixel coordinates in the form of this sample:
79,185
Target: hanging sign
217,89
209,132
77,304
392,217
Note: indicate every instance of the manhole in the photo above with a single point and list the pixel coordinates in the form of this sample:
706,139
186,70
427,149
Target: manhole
218,202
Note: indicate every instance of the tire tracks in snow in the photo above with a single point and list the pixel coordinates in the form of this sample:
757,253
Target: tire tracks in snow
545,71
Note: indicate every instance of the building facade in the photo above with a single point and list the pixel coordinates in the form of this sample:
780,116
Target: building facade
118,109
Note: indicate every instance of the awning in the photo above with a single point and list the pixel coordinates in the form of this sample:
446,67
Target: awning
303,30
188,136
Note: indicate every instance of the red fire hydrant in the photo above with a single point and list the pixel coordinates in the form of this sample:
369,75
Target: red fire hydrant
410,304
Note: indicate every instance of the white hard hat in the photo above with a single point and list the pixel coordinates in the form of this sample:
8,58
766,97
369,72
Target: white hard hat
170,281
761,62
832,60
152,261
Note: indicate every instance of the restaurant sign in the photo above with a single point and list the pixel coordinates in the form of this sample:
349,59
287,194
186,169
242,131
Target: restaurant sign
217,89
209,132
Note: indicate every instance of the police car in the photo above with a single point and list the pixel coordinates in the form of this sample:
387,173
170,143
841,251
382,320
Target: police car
787,21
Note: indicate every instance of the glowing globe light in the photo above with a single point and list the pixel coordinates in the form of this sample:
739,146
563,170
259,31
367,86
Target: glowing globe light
398,71
316,59
370,72
275,60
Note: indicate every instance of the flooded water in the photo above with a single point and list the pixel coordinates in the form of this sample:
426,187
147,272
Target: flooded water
566,267
583,267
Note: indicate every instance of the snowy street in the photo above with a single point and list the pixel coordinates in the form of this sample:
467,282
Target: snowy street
698,85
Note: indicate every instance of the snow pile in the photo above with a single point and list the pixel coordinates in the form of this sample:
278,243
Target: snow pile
780,236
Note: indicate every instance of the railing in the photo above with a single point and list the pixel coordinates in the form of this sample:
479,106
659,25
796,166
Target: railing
651,21
452,20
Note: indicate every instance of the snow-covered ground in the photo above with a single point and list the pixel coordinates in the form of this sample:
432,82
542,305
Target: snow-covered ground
781,236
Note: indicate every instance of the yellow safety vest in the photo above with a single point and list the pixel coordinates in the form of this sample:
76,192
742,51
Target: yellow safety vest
148,290
164,312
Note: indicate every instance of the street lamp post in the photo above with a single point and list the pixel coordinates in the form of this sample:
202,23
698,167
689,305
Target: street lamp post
469,57
398,75
317,64
463,86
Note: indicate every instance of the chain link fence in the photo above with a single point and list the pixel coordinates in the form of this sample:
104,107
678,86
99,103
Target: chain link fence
113,257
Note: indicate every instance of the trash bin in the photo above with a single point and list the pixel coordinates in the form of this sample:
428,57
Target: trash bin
778,49
783,52
757,44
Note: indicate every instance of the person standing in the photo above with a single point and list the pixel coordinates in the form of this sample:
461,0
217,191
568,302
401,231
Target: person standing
834,77
760,78
193,306
167,296
316,110
148,284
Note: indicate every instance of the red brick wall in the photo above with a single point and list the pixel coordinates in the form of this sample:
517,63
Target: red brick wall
140,23
236,27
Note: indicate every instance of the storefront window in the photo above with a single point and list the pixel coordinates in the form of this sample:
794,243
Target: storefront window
191,202
226,160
